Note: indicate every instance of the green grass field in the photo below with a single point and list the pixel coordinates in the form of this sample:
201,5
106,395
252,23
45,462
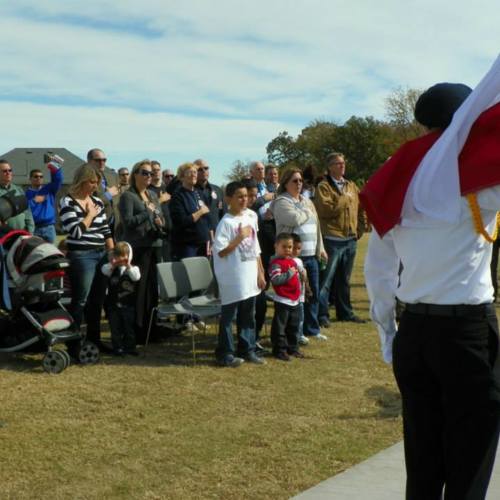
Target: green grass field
156,427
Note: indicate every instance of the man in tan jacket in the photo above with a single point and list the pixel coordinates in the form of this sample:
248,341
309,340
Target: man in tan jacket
342,224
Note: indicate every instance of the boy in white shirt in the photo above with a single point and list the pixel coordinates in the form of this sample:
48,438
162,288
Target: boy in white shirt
240,276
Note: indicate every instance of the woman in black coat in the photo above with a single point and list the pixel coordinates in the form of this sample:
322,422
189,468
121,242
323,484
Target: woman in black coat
142,224
190,217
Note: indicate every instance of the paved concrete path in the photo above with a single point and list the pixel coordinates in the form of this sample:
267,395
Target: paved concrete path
381,477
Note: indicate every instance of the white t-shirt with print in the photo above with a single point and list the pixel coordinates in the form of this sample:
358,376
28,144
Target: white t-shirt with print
237,272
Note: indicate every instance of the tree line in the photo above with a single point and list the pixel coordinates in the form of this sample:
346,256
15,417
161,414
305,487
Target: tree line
366,142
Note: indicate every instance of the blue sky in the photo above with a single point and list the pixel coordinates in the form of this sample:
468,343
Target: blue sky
178,80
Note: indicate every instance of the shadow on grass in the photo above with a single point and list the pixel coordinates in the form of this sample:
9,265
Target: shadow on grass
388,401
21,362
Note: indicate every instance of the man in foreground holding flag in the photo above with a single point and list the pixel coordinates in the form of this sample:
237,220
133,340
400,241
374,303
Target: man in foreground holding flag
434,209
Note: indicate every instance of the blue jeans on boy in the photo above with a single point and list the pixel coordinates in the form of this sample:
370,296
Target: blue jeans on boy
311,322
301,320
246,338
121,323
341,254
84,269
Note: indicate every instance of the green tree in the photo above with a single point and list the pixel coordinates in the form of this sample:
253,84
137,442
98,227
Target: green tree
366,144
282,149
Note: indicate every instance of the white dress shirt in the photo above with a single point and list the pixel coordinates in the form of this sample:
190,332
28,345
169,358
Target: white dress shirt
443,263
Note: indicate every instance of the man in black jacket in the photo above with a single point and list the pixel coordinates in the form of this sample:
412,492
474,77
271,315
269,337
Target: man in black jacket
210,193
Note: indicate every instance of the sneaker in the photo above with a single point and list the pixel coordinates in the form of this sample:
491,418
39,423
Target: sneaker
200,324
259,348
231,361
297,354
320,336
191,327
303,340
325,323
282,356
253,358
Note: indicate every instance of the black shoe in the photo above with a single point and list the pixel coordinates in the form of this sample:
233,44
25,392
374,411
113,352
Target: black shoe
356,319
297,354
325,323
118,352
282,356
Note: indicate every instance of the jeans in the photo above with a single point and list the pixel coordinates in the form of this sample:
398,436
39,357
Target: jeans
185,250
338,270
246,338
301,321
85,275
285,328
311,322
48,233
121,323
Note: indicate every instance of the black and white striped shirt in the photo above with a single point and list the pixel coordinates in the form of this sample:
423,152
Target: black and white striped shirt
79,236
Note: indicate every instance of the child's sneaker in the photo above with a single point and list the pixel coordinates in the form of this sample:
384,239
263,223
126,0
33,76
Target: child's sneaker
190,326
231,361
253,358
303,340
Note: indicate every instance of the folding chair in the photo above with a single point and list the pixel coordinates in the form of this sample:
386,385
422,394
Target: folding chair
173,287
200,276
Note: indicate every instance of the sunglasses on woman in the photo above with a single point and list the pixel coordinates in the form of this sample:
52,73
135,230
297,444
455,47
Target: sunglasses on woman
146,173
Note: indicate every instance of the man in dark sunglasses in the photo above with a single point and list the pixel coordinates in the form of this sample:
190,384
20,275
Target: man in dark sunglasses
108,188
24,220
210,193
42,198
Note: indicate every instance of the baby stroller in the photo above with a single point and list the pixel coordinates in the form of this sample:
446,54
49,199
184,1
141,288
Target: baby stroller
31,314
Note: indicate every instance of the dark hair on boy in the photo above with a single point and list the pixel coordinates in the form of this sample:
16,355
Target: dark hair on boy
249,183
284,236
296,238
232,187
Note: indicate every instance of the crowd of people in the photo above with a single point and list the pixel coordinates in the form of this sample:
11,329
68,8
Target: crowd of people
155,216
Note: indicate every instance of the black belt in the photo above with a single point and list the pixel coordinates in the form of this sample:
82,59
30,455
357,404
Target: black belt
449,310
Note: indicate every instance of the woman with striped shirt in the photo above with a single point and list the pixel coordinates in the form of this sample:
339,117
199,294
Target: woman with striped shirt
84,220
294,213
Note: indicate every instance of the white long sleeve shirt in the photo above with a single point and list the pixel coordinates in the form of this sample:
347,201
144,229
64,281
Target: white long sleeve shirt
442,264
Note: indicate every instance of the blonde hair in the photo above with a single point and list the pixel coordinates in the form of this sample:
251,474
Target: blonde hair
86,172
181,169
135,170
121,249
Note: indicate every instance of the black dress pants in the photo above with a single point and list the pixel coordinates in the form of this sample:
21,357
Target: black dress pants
448,371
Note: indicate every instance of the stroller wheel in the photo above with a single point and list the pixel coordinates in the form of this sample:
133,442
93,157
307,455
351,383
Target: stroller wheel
54,362
67,357
89,354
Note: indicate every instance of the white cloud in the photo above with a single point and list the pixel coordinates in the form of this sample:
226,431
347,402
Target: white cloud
249,68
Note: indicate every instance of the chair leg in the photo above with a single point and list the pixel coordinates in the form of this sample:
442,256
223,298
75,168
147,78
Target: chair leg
194,346
153,311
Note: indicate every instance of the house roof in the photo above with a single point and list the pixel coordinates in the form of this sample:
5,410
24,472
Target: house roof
23,160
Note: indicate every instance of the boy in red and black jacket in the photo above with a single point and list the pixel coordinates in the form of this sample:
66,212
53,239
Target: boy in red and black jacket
285,279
